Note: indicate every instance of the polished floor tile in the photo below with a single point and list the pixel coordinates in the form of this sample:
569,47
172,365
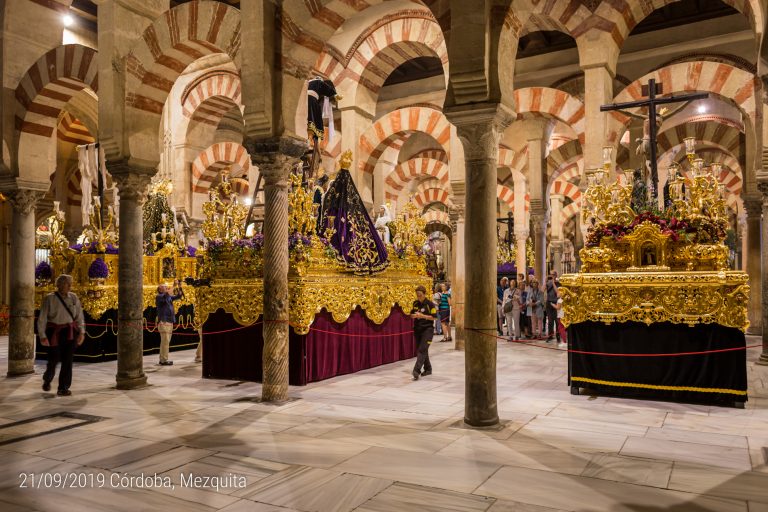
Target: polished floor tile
376,441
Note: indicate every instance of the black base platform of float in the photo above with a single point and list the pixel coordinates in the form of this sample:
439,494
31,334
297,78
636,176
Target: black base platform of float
650,365
101,339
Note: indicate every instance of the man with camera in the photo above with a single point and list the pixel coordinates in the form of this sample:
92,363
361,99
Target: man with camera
166,316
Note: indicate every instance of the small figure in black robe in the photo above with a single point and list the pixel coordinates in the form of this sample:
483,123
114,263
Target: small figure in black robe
317,90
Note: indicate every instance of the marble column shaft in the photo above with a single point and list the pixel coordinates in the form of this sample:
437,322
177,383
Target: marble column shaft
539,221
479,129
763,276
276,158
21,336
754,209
458,283
132,187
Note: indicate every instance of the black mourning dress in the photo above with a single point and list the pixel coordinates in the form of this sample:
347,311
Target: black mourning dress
317,90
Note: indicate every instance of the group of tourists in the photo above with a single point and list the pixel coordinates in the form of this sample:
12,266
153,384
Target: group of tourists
528,310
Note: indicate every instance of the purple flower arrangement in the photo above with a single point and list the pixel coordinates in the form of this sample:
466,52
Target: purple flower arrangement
43,271
98,269
191,251
111,249
297,240
506,268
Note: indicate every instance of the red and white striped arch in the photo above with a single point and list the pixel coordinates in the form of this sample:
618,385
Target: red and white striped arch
73,130
621,17
174,40
383,47
392,128
434,216
433,154
616,19
566,189
412,169
507,196
565,155
431,191
41,95
211,97
209,164
727,82
548,102
722,132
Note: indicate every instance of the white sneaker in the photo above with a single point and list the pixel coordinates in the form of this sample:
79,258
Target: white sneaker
562,345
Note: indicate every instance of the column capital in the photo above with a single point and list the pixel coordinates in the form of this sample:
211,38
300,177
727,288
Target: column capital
762,186
24,201
132,185
753,204
540,219
456,213
261,150
479,127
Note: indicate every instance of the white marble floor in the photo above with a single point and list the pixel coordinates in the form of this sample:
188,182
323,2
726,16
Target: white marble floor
377,442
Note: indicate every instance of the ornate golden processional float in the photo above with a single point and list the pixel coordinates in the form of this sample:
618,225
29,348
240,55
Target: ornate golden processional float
655,309
341,320
93,265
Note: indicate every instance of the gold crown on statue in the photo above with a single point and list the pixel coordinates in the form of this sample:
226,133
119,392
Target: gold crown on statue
164,187
345,161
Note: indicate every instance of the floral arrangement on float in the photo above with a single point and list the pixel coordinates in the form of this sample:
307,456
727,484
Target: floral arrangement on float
628,231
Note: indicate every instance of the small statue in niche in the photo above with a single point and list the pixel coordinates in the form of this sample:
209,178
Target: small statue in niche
648,255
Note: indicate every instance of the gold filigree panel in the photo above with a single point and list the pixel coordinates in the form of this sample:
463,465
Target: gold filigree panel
650,297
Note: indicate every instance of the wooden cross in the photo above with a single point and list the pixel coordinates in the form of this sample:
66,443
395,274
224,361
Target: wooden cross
651,90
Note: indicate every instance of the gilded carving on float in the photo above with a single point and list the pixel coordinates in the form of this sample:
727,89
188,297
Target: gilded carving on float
167,262
646,264
316,279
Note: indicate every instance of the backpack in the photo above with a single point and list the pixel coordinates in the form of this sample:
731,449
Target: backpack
508,306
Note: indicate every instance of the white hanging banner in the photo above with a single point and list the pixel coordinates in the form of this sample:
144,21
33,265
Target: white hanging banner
328,114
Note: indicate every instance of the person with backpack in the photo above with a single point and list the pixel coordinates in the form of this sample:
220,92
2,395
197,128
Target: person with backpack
511,306
436,298
61,326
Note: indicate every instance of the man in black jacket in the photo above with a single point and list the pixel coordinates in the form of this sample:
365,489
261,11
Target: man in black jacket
423,313
551,311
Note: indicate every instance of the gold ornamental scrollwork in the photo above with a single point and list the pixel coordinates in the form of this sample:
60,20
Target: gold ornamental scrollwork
678,297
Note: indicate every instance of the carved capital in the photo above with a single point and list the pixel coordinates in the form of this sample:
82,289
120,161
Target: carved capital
539,219
762,186
24,201
132,180
456,213
132,187
754,205
479,128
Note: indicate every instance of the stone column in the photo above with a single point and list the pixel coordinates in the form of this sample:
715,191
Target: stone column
539,221
556,231
754,208
457,285
763,186
132,185
598,90
479,128
276,158
521,224
521,260
21,336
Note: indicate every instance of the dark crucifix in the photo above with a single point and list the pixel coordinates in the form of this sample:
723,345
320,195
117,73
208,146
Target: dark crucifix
651,90
509,220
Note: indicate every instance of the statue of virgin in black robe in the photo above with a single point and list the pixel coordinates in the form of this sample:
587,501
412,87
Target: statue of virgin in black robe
355,239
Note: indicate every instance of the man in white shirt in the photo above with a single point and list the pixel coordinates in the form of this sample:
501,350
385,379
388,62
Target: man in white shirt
61,326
